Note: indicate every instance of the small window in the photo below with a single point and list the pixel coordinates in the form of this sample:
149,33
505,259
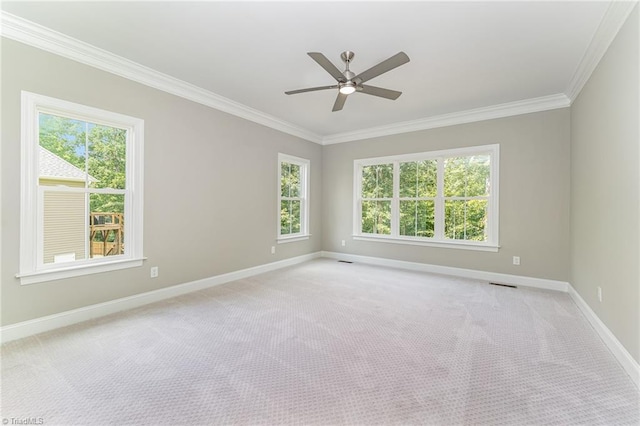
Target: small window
82,190
293,198
443,198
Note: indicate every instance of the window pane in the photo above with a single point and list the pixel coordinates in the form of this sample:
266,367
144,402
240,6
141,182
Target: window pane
294,177
106,156
465,220
61,155
295,217
64,226
70,148
106,225
376,217
285,217
377,181
290,217
417,218
106,203
68,234
467,176
418,179
289,180
284,179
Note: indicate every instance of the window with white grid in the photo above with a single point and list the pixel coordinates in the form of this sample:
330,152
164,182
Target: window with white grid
442,198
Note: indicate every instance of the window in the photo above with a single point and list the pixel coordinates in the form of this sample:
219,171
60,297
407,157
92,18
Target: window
377,193
293,198
81,183
444,198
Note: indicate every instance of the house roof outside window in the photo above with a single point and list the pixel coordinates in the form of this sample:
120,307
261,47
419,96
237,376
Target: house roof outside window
54,167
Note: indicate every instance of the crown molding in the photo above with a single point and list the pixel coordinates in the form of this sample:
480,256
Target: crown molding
32,34
613,19
509,109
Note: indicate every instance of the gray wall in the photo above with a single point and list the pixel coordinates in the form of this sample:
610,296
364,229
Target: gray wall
210,186
534,194
605,189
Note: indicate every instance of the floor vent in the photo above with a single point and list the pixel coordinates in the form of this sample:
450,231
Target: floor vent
504,285
344,261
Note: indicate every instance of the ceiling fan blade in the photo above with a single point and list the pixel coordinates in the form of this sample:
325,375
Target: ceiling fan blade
327,65
310,89
339,102
384,66
379,91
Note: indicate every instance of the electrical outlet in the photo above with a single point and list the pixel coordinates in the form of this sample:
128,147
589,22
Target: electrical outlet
154,272
516,260
343,243
599,294
273,249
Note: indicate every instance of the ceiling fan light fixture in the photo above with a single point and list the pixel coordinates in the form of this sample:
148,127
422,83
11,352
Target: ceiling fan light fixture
347,88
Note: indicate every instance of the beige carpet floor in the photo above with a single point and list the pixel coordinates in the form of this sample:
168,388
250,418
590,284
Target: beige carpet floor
326,343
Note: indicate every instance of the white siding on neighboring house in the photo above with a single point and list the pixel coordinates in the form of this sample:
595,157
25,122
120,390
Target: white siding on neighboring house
65,227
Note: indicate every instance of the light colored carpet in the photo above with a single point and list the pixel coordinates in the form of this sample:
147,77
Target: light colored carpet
326,343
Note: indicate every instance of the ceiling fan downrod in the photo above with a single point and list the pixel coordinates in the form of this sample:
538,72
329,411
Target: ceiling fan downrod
347,87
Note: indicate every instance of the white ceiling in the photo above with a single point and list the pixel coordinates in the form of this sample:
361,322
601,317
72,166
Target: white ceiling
464,55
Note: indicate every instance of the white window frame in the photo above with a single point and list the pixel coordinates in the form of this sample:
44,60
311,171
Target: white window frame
304,165
492,242
32,268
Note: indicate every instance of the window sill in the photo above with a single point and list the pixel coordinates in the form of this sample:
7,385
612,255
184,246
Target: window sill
441,244
294,238
77,270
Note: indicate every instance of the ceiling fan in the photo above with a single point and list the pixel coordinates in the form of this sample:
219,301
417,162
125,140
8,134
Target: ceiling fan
349,82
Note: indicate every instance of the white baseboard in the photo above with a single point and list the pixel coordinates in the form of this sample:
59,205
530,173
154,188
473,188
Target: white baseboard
622,355
50,322
493,277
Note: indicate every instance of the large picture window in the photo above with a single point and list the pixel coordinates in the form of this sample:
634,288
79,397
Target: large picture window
293,198
82,190
444,198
